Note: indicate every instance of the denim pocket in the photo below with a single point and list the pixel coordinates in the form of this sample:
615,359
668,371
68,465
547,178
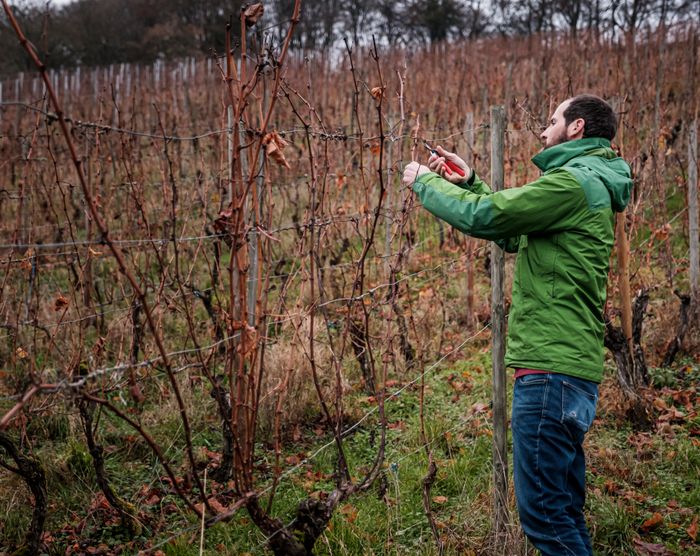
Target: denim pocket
578,405
535,378
530,394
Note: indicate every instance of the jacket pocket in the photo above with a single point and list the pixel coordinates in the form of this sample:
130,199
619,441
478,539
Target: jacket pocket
578,405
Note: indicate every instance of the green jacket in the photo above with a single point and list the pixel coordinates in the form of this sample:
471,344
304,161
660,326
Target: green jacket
562,227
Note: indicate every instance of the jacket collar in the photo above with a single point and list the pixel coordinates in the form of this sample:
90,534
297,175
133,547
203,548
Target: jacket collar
558,155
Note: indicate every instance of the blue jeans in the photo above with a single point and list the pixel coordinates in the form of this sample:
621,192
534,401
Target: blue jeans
551,415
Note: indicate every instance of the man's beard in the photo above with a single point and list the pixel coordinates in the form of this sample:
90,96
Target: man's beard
561,138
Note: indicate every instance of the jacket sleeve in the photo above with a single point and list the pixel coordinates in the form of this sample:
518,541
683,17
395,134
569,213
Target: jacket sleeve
549,204
476,185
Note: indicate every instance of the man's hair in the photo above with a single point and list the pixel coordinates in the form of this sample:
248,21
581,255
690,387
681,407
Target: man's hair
598,116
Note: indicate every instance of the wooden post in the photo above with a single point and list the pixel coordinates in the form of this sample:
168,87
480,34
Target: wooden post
623,250
498,325
470,241
693,213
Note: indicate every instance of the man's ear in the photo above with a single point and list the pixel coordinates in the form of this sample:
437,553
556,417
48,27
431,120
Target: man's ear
576,128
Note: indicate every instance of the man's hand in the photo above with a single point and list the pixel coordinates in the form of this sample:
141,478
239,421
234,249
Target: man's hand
412,172
437,165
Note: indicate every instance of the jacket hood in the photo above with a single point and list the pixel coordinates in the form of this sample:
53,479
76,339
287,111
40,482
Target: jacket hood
595,154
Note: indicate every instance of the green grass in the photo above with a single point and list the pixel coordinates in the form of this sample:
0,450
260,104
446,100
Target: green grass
632,476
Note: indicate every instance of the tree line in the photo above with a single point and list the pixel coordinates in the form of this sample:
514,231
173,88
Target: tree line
102,32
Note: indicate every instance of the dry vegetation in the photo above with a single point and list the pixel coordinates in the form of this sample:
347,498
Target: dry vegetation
301,305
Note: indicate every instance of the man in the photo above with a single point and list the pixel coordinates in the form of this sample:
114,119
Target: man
561,226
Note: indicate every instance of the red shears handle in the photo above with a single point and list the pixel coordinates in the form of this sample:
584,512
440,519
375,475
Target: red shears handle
451,166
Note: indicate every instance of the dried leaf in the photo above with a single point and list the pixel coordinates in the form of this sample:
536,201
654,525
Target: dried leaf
377,92
99,502
653,522
60,303
274,145
439,499
350,512
136,394
649,549
214,457
692,529
252,13
21,353
217,506
611,487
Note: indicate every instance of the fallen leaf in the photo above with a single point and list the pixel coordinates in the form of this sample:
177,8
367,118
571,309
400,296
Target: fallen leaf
214,457
136,394
21,353
611,487
99,503
252,13
652,523
648,549
692,529
217,506
350,512
439,499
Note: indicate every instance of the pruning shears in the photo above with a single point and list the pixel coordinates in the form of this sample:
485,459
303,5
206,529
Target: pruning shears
450,166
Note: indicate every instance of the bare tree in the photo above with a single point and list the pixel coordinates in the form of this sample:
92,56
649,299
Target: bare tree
436,20
317,28
629,15
357,18
572,12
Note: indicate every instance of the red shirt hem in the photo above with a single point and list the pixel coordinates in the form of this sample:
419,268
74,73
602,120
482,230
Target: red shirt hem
524,372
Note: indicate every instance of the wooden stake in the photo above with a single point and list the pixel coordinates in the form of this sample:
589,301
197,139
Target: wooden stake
498,325
623,249
693,212
470,241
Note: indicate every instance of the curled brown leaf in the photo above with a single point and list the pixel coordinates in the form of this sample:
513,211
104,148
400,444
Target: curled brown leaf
274,145
252,13
377,92
60,302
